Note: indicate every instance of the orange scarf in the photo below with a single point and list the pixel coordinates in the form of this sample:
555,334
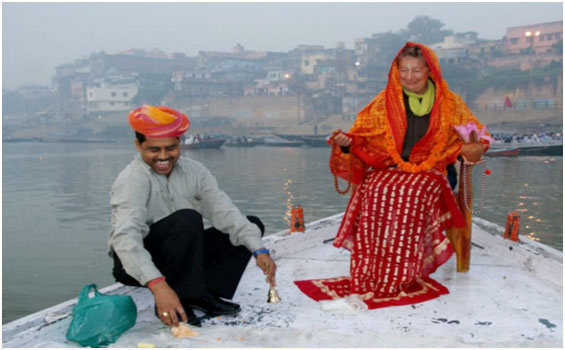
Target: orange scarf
379,129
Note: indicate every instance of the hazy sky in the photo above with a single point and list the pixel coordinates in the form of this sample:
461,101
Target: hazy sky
36,37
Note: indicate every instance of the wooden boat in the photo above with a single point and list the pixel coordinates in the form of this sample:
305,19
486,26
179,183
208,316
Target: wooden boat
315,141
548,148
203,143
272,141
288,137
503,152
242,142
544,149
512,297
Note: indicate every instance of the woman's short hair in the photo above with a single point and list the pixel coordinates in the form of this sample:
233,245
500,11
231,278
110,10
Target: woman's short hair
411,51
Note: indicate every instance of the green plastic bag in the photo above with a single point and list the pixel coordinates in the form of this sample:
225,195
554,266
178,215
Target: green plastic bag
100,320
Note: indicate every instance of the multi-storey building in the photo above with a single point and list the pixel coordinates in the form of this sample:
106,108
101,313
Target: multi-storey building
105,97
455,48
197,83
366,50
536,38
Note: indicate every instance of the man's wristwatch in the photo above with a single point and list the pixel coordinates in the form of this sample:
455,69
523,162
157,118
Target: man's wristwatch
260,251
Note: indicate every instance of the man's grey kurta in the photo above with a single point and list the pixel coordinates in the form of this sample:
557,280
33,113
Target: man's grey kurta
141,197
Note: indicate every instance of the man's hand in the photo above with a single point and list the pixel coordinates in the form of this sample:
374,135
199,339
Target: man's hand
268,266
341,139
168,304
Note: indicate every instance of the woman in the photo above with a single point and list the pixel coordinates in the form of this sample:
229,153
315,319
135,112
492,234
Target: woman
398,153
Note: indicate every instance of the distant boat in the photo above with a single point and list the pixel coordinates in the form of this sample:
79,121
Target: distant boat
194,142
244,142
273,141
240,144
552,148
301,137
503,152
542,149
288,137
315,141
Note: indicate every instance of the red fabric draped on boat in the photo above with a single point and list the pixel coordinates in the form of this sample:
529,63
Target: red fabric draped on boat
393,227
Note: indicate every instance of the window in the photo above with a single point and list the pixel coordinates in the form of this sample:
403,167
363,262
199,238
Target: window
124,94
542,38
114,94
306,62
111,103
550,36
514,41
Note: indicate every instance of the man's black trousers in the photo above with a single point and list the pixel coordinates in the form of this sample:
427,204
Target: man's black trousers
195,261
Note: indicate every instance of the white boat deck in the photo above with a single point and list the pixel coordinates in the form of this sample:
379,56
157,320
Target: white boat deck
512,297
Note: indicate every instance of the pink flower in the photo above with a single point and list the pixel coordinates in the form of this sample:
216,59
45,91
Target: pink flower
465,132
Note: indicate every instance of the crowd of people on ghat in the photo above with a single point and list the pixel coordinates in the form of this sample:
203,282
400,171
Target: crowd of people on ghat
533,137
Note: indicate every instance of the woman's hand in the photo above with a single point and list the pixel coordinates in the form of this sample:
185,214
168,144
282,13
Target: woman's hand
472,152
168,304
268,266
341,139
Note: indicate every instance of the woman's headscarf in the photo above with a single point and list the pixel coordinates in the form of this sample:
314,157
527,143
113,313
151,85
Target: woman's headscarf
379,129
158,121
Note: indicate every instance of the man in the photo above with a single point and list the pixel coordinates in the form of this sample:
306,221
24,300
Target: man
158,240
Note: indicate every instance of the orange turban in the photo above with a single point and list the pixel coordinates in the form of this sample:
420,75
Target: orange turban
158,121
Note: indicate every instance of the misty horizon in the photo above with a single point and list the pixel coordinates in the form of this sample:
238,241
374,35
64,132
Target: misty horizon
37,37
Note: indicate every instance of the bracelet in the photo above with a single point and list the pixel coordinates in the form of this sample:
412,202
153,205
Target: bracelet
155,281
260,251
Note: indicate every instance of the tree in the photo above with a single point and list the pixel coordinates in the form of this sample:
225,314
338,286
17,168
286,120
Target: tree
425,30
459,78
558,47
152,88
389,43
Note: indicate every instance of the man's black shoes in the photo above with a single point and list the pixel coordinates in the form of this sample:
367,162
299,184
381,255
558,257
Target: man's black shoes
211,305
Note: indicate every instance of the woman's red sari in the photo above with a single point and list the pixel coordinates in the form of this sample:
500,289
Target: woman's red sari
393,228
395,219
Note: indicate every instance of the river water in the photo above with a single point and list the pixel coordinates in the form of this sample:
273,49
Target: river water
55,206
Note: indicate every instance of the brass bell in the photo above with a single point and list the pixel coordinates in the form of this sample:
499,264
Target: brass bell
273,295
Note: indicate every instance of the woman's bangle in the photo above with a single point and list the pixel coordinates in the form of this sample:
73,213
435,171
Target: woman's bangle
155,281
260,251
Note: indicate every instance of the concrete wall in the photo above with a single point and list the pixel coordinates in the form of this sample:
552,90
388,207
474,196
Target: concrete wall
269,110
547,91
509,115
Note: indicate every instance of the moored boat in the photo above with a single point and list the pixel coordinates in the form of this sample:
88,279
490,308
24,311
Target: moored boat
548,148
196,142
272,141
245,142
315,141
545,149
511,297
503,152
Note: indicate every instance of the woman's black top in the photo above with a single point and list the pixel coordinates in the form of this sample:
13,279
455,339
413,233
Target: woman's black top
415,130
